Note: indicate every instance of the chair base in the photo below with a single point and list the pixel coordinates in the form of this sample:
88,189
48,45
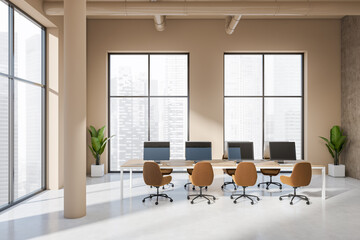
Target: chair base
227,183
244,195
302,197
157,195
269,183
201,195
193,188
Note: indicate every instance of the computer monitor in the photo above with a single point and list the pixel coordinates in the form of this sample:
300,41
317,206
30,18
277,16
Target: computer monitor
240,150
198,151
282,150
156,151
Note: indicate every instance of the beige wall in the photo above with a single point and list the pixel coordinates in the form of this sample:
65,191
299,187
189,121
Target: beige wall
206,42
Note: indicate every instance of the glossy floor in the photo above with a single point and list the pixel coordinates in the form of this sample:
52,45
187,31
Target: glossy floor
41,217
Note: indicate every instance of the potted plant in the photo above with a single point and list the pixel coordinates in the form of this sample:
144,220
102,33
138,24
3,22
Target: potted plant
98,144
335,146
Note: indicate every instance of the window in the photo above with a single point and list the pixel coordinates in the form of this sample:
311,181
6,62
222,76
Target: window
22,106
263,99
148,101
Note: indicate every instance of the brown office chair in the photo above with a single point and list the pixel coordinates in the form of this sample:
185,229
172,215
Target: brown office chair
245,176
229,172
202,176
300,177
153,177
271,173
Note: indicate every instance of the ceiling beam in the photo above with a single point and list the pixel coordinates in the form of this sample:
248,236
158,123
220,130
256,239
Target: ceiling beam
233,8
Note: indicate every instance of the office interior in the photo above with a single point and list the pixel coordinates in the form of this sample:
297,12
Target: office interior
217,72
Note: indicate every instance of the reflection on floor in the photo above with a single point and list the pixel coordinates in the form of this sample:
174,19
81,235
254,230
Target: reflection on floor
109,218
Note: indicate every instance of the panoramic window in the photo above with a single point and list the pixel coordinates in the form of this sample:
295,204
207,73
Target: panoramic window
148,101
22,111
263,99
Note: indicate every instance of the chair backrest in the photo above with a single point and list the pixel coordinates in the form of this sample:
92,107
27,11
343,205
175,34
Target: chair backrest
301,175
245,174
282,150
152,174
203,174
240,150
198,151
156,151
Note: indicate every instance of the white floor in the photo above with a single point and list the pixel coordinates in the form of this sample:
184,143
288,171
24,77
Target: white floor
41,217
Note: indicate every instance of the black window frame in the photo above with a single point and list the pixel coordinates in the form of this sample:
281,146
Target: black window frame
11,81
263,97
148,96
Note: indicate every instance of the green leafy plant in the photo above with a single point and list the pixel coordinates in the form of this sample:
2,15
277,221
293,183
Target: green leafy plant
336,143
98,142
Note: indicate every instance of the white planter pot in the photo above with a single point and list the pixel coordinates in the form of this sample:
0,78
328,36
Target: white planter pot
97,170
336,170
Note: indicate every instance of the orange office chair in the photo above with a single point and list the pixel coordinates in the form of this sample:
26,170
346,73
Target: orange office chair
300,177
202,176
245,176
153,176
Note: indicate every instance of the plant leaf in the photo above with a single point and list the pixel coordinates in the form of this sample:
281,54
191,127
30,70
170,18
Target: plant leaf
92,151
95,144
93,131
335,134
100,134
329,143
330,151
90,132
340,142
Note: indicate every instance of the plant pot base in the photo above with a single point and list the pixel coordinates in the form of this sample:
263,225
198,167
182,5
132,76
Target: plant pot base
97,170
337,171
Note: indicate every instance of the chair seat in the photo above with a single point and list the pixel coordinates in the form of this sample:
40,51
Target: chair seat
191,180
230,172
166,171
288,181
189,171
166,180
270,172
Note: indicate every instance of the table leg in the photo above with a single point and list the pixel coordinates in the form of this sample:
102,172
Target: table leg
121,183
130,178
323,188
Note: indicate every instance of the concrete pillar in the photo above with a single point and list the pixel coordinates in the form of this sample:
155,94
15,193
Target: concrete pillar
75,108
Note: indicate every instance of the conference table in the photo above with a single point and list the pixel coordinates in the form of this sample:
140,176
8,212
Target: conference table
283,165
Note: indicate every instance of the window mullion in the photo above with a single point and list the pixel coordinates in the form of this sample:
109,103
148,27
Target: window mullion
263,104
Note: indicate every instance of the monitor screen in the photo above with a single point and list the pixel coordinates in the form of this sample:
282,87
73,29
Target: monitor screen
240,150
282,150
198,151
156,151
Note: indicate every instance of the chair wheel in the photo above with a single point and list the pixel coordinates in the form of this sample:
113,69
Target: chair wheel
143,200
188,197
222,187
291,203
156,203
235,201
258,185
192,202
150,197
308,203
205,188
231,197
234,188
214,198
280,198
193,188
258,199
267,188
184,186
280,188
252,203
163,187
171,200
209,202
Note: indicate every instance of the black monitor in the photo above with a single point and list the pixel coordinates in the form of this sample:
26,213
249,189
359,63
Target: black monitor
282,150
240,150
197,151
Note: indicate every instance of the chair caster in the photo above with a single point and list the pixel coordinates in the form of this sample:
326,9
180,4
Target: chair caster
209,202
222,187
231,197
192,202
258,199
252,203
163,187
185,187
193,188
188,197
235,201
291,203
205,188
280,198
280,188
171,200
214,198
150,197
156,203
258,185
234,188
308,203
267,188
143,200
